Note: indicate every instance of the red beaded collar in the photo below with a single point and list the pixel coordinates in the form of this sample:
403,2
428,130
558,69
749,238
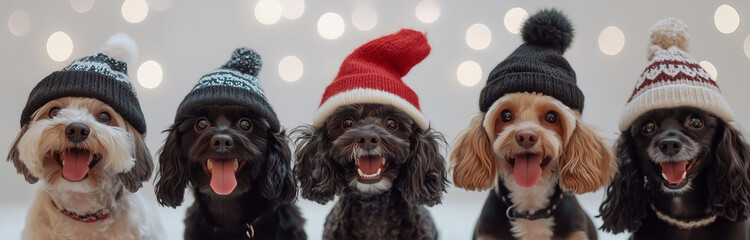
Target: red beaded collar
87,218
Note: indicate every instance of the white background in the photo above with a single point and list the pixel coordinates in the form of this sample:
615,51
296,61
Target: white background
191,38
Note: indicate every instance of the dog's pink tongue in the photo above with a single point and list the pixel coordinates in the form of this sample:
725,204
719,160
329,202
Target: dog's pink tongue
369,165
674,171
527,169
76,165
222,177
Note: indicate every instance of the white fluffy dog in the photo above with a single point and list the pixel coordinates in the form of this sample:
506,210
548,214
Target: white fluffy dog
90,160
83,196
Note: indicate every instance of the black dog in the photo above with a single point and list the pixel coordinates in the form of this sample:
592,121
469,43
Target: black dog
680,168
240,175
382,166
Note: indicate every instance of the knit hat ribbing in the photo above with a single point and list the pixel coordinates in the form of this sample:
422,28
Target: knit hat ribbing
673,78
372,74
236,83
102,76
537,65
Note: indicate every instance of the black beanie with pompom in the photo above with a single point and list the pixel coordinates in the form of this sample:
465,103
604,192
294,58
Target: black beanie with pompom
537,65
236,84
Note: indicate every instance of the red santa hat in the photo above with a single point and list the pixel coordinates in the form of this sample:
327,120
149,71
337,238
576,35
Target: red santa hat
372,74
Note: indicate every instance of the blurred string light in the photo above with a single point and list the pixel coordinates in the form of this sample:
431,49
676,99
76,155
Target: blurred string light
150,74
364,17
726,19
469,73
159,5
59,46
268,11
427,11
746,46
81,6
290,68
134,11
611,40
330,26
292,9
710,69
19,23
514,18
478,36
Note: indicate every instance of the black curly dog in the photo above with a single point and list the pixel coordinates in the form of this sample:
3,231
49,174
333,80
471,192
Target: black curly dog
715,160
382,166
265,187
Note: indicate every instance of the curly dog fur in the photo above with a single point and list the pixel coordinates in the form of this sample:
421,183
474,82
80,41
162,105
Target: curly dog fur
715,182
265,190
388,206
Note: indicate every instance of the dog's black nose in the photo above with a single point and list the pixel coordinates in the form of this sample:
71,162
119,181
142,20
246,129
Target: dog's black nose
526,138
77,132
670,146
221,142
368,140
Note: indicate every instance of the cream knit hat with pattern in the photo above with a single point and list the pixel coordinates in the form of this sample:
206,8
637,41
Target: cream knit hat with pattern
673,78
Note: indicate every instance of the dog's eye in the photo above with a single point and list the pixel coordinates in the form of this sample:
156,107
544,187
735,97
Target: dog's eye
551,117
391,124
104,117
694,122
201,124
346,124
648,127
53,112
245,124
506,116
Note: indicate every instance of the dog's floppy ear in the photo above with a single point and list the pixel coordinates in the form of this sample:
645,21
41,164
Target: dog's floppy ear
173,173
625,202
423,178
13,156
141,171
320,179
729,194
586,163
279,181
472,160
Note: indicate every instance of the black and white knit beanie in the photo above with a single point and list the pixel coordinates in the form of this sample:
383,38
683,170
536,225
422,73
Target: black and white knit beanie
236,83
103,76
537,65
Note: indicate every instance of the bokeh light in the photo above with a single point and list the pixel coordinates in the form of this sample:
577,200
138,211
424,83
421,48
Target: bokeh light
611,40
290,68
710,69
268,11
81,6
514,19
364,17
19,23
469,73
59,46
478,36
726,19
330,26
134,11
427,11
150,74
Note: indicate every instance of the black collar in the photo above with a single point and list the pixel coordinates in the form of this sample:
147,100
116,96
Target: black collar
247,229
510,209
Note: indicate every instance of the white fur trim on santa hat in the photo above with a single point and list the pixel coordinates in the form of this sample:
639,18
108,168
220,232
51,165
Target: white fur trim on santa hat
364,95
671,96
